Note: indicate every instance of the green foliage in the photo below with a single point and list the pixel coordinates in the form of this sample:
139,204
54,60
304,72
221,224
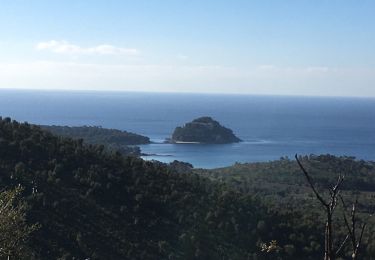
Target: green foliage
204,130
113,139
15,232
284,190
98,205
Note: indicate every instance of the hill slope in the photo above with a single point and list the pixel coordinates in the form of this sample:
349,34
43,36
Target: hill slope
94,204
283,188
113,139
99,205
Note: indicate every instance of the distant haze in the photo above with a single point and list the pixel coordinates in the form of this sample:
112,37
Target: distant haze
290,47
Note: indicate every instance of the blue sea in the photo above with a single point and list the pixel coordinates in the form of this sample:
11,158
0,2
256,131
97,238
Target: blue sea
271,126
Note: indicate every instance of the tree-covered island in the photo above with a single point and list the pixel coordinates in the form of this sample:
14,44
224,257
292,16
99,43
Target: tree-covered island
203,130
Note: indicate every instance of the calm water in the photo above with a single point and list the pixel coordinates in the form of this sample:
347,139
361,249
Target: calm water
270,126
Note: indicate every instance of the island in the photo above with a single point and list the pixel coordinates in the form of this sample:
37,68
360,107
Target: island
203,130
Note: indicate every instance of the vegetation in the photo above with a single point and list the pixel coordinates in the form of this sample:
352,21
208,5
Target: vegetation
14,231
204,130
113,139
93,203
284,189
330,205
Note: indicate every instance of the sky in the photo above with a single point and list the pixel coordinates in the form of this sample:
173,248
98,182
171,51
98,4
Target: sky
289,47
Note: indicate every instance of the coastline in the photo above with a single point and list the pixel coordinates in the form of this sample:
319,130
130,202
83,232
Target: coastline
182,142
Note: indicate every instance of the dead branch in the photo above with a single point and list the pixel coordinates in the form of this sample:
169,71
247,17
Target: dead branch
329,206
356,242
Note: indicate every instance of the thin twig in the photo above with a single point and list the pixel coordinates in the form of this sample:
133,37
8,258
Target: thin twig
309,180
342,245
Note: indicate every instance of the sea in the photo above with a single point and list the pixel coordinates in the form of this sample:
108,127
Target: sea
271,127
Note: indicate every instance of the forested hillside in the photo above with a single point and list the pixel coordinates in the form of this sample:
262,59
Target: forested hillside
92,204
113,139
81,201
283,188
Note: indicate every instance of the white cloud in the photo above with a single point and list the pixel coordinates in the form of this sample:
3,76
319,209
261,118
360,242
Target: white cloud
64,47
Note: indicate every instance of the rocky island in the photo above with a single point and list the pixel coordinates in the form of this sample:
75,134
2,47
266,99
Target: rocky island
203,130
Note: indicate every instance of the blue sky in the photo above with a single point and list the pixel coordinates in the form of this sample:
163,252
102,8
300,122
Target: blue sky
290,47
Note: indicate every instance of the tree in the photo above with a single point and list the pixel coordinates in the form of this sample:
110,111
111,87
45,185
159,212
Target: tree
14,230
354,238
329,206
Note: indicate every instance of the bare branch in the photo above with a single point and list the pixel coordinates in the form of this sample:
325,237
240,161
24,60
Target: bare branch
353,212
330,205
350,228
335,188
361,236
343,202
309,180
342,244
